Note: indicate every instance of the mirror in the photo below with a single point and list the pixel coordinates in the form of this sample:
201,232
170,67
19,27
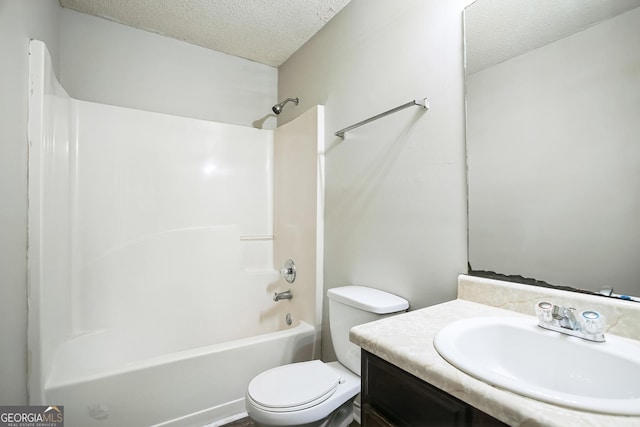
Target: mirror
553,142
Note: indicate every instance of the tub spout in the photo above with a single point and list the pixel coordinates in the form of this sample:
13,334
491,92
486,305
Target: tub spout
282,295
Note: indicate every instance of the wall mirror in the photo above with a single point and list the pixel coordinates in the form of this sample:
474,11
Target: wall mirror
553,142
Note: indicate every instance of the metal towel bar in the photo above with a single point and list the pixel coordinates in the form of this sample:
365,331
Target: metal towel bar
424,103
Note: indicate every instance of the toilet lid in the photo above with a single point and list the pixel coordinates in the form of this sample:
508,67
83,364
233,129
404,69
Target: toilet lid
294,385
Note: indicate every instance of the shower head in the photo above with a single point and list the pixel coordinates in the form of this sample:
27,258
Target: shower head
278,107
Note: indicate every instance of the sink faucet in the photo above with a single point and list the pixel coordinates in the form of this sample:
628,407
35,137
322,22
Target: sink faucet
565,317
277,296
589,324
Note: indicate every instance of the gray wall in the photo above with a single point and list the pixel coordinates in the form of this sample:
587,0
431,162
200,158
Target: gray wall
395,189
110,63
19,22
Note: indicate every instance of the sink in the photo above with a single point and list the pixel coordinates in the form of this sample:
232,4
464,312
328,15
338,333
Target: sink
514,354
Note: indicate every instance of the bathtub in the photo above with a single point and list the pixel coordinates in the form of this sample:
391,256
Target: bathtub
104,379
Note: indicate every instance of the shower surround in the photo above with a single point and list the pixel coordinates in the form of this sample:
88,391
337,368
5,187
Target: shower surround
152,253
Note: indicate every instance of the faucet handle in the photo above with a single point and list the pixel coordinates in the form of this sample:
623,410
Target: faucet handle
544,311
288,271
592,322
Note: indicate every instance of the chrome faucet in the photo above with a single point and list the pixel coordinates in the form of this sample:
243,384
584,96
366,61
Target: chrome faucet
277,296
565,317
589,325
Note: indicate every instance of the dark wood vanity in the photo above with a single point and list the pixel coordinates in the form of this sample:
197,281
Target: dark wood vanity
393,397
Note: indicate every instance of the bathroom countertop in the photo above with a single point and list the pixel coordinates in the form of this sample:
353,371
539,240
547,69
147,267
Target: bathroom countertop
406,341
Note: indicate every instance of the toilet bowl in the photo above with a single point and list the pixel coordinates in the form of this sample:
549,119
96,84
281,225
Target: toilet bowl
315,393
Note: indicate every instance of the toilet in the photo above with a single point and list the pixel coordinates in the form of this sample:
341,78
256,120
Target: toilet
315,393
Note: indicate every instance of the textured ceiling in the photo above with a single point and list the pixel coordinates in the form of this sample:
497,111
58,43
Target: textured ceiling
265,31
497,30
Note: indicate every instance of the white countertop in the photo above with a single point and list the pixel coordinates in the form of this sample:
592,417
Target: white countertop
406,340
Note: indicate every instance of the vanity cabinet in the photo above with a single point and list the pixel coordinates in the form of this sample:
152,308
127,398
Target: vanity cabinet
393,397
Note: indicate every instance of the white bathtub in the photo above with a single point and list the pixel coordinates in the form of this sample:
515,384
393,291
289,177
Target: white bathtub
103,380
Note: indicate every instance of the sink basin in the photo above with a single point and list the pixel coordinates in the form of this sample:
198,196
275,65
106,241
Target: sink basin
513,353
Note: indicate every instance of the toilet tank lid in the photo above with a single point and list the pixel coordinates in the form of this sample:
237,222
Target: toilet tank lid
368,299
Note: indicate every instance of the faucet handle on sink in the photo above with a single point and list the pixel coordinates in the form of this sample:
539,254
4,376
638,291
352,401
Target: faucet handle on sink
544,311
592,322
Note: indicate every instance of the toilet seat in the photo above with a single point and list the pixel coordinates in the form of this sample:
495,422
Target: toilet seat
333,386
294,387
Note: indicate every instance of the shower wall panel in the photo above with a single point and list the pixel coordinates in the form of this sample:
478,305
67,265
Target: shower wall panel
50,181
299,209
161,205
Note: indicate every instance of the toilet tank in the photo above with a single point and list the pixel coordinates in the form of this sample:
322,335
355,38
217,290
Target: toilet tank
354,305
